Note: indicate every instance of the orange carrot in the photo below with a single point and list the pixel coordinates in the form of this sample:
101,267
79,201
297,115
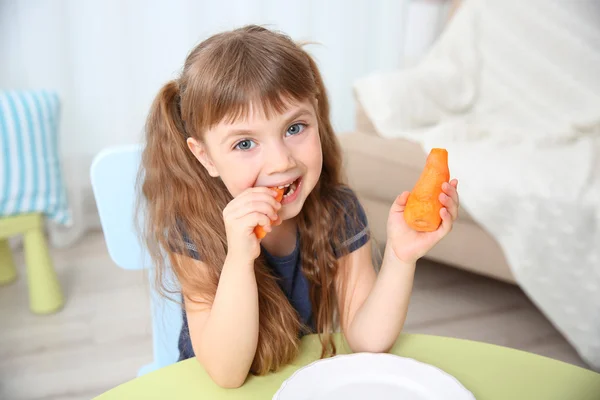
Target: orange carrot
422,211
259,231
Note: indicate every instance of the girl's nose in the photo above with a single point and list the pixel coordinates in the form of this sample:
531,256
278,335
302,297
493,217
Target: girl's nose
279,159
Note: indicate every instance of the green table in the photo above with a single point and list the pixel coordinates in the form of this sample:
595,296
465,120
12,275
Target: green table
488,371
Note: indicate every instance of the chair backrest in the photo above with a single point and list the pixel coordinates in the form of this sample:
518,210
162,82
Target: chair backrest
113,175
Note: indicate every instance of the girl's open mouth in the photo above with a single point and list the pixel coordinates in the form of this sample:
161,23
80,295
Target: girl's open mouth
291,191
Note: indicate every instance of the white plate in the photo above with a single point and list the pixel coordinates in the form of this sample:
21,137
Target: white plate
371,376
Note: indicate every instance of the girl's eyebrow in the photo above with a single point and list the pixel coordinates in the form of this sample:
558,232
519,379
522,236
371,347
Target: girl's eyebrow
235,133
245,132
299,112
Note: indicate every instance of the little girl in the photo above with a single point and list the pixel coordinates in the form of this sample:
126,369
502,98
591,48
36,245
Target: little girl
248,113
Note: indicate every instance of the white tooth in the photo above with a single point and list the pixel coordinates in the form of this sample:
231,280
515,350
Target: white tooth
279,187
291,191
288,185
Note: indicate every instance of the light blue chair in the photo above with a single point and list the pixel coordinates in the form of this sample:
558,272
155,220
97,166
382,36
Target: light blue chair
113,175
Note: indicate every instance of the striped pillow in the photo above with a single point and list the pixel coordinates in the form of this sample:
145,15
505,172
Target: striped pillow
30,174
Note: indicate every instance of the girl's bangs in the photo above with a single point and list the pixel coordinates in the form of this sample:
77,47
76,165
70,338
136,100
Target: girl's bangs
256,90
265,105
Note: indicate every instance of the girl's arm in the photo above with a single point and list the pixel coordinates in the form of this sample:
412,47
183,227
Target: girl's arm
224,334
375,307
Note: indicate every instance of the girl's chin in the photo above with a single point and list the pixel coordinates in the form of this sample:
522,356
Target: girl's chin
290,212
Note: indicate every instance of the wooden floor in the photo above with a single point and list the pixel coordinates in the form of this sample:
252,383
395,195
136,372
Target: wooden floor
102,336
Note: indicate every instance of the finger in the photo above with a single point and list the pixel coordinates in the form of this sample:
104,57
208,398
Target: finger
253,219
446,225
450,205
258,206
277,222
261,192
455,197
401,201
450,190
254,190
265,197
261,208
254,202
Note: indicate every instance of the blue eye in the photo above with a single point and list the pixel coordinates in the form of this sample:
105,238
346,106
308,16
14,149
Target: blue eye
245,144
296,129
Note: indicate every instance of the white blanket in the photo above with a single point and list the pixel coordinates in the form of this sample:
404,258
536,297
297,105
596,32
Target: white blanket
512,90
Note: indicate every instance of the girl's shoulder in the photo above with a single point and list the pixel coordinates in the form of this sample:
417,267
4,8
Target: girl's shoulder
184,243
350,205
353,231
190,248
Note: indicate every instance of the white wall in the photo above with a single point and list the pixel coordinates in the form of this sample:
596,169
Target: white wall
109,58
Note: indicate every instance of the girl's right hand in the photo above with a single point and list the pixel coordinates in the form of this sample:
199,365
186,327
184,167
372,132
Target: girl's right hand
254,206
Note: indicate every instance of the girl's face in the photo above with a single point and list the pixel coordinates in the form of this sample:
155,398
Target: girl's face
282,151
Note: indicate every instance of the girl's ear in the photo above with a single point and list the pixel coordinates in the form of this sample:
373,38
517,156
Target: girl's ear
201,154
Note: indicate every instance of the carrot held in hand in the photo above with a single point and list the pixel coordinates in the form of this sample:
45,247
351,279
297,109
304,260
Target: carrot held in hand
259,231
422,211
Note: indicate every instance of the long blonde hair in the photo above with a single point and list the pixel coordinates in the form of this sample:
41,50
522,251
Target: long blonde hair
221,78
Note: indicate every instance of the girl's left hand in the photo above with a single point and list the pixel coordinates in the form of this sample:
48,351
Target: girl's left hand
410,245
